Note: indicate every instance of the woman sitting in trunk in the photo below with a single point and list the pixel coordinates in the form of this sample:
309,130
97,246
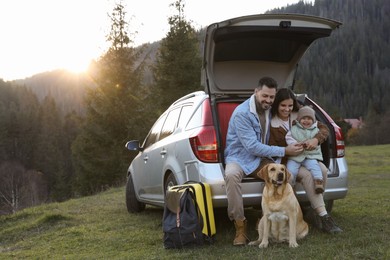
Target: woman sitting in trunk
284,112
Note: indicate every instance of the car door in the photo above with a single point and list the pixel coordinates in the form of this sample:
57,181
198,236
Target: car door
144,164
155,163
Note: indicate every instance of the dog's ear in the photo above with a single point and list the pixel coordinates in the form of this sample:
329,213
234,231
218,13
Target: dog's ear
263,173
288,175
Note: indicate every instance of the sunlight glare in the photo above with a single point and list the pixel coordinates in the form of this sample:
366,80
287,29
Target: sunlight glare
78,65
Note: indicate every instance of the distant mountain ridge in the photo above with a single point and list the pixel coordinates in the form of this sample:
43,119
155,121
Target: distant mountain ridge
348,73
68,89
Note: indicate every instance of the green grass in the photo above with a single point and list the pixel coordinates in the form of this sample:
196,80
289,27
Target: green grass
99,227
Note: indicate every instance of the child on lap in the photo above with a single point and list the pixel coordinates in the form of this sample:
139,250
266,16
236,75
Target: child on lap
304,129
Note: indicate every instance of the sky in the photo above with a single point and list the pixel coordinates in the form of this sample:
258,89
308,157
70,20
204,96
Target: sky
45,35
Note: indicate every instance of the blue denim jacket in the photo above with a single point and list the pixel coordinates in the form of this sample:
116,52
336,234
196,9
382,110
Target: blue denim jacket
244,144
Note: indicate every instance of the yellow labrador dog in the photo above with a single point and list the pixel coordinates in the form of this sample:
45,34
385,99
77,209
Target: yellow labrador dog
282,216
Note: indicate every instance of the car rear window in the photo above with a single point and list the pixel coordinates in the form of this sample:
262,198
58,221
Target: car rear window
202,116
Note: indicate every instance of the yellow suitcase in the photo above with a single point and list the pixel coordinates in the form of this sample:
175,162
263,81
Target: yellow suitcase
202,194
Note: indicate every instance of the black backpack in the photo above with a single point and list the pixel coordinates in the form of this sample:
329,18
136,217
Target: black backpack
183,222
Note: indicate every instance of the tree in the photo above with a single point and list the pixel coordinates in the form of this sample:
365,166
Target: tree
19,129
19,117
20,188
48,153
12,182
114,111
178,64
349,70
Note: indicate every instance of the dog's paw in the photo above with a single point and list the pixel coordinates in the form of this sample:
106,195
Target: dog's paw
263,245
254,243
293,244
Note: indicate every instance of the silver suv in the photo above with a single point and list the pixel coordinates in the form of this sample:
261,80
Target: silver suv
187,141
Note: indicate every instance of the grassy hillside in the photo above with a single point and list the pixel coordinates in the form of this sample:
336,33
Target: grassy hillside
99,226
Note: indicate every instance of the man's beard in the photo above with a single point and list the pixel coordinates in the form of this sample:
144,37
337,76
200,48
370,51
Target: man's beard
261,107
266,106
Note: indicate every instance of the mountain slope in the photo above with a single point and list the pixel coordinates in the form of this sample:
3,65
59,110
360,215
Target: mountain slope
96,226
99,227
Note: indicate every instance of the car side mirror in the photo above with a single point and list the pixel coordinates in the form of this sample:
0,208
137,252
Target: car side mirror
133,145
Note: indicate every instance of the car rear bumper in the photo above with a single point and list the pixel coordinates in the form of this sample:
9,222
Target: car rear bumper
336,188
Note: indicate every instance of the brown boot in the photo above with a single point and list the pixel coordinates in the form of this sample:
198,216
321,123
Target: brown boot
241,237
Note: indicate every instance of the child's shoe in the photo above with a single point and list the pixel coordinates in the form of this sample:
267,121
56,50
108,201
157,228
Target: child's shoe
319,186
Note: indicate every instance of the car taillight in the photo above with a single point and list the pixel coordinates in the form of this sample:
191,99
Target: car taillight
204,145
340,147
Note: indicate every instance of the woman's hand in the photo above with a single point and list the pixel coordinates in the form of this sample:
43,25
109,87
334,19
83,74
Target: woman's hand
293,149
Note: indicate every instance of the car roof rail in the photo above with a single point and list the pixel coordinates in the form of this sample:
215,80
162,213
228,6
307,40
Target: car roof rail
191,95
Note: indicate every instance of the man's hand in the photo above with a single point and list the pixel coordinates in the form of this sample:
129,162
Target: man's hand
293,149
310,144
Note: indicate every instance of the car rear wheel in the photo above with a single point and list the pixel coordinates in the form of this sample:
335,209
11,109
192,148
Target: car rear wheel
169,182
132,204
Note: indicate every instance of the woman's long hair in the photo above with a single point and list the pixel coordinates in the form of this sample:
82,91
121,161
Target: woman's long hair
281,95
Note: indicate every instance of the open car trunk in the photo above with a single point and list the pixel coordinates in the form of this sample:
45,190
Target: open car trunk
238,52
